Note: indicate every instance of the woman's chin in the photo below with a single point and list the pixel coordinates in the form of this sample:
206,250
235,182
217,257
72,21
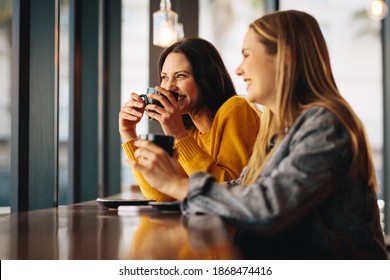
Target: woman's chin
251,98
183,107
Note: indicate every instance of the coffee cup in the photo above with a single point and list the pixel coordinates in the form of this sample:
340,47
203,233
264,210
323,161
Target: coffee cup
148,100
164,141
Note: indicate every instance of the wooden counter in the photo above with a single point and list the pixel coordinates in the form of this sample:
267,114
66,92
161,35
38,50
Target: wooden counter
89,231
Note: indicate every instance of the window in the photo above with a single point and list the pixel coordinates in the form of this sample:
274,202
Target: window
135,64
5,103
63,127
224,23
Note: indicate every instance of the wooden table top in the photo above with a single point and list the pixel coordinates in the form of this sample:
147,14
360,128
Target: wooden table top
89,231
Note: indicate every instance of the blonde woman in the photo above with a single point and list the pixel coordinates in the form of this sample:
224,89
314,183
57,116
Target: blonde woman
309,188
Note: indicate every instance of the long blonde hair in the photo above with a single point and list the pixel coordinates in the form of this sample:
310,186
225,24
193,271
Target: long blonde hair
304,79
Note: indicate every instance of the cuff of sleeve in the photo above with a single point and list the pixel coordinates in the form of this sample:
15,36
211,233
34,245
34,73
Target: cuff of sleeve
188,149
199,182
129,149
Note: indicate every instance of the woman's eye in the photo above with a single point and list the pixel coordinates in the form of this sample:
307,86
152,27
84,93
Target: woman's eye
164,78
245,54
181,76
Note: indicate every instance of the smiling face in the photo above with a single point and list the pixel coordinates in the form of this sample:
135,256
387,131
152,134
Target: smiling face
176,75
258,68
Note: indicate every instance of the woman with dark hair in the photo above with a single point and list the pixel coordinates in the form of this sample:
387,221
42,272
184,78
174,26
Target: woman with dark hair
308,191
214,129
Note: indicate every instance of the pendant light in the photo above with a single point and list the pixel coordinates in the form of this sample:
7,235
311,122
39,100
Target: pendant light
166,29
377,9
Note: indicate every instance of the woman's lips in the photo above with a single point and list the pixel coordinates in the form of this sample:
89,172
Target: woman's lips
248,83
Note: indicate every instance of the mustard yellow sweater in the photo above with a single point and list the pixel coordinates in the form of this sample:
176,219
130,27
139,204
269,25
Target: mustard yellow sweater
223,151
173,241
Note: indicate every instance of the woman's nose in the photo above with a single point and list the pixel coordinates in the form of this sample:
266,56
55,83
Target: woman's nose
171,85
239,71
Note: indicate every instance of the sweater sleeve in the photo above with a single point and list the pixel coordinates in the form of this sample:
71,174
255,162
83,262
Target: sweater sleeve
147,190
231,140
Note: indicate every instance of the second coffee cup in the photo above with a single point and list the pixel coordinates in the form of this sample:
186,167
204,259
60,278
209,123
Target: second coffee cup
164,141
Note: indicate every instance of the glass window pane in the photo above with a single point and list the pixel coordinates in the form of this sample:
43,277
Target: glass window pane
63,172
224,23
135,64
5,104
